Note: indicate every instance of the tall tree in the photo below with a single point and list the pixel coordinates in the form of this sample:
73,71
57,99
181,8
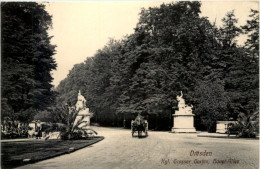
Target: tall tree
27,60
252,29
229,31
241,70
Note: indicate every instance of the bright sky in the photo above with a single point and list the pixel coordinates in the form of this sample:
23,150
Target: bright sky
81,28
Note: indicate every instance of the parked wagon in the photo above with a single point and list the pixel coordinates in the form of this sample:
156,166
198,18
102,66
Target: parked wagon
140,126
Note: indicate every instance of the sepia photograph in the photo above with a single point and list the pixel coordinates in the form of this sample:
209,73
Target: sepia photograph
130,84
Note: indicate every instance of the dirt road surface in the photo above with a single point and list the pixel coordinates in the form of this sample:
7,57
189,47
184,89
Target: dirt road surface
159,150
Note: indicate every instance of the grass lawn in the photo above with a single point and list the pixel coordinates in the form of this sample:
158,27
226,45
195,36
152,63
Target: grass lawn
19,153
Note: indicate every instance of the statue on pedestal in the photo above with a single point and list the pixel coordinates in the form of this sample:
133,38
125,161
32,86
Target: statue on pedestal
183,118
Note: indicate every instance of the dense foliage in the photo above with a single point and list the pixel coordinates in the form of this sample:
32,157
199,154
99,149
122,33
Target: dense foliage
27,60
173,49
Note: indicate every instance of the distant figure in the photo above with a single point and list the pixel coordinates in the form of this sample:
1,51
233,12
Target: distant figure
39,135
139,119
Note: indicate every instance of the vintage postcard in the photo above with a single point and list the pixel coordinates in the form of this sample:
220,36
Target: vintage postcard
130,84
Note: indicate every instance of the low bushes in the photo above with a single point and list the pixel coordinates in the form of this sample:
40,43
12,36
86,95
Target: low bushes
247,125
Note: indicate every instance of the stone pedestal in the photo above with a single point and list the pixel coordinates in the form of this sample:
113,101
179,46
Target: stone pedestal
222,126
183,123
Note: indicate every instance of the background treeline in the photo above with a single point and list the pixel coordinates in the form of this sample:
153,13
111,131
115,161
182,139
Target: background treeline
173,49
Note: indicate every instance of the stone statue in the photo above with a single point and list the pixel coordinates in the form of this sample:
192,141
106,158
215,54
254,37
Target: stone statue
188,109
181,102
81,103
83,111
183,108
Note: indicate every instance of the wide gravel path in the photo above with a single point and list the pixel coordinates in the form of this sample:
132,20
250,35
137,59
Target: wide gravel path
159,150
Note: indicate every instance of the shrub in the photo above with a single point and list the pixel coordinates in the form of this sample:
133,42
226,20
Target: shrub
70,129
14,129
248,124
